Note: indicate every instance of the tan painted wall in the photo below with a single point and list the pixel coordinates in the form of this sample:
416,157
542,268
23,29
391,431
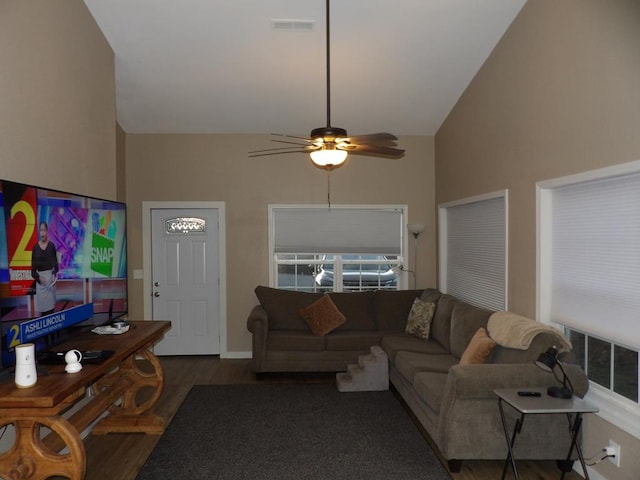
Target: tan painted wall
559,95
57,98
121,164
217,168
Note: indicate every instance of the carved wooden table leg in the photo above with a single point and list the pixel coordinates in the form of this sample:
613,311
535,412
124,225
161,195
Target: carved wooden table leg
30,458
133,414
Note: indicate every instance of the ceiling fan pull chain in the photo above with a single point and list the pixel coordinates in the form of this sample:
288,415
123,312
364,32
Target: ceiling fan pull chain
329,188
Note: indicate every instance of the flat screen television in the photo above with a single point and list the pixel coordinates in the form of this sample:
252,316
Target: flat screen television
63,265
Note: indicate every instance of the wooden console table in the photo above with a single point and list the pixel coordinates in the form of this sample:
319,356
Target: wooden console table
113,386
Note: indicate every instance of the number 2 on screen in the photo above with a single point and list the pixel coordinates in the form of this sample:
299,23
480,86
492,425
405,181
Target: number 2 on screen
13,336
22,257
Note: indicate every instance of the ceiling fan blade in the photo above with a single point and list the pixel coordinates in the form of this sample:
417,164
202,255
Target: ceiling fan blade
297,148
263,153
375,151
291,136
291,143
381,138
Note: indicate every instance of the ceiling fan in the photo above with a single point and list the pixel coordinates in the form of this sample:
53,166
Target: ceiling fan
329,146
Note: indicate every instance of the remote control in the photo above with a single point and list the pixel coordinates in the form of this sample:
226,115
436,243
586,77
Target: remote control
528,394
91,354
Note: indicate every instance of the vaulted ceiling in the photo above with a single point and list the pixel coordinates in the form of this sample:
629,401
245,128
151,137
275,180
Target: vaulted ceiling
223,66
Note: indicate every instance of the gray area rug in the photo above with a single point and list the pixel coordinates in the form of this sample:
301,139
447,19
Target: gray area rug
302,431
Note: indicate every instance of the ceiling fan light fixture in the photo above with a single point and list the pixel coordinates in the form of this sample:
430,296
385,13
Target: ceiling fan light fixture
328,158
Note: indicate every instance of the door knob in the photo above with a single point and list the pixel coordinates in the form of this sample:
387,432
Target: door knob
156,294
156,284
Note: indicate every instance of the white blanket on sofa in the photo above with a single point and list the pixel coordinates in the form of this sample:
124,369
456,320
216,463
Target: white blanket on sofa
515,331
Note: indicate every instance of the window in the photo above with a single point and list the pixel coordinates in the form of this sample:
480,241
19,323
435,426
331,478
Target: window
473,239
589,278
344,248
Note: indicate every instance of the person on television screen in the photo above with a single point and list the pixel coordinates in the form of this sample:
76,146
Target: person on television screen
44,269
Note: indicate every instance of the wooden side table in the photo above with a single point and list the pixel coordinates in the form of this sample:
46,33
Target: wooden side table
542,404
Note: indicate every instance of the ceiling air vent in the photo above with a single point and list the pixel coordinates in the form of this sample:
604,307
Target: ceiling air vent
285,25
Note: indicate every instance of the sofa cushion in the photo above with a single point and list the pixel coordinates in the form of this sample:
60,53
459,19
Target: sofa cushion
392,343
322,316
479,348
419,320
354,341
430,295
283,307
441,323
410,363
358,308
392,307
430,388
465,322
294,341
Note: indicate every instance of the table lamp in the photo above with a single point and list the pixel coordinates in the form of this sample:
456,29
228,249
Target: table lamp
547,361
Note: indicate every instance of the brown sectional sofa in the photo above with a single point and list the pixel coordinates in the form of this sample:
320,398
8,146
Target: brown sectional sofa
454,403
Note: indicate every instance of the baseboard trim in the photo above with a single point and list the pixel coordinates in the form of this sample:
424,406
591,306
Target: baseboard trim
593,474
236,355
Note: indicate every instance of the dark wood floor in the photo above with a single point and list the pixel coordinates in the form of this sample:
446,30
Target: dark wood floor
120,456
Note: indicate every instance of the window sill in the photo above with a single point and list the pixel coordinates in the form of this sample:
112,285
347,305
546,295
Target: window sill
616,410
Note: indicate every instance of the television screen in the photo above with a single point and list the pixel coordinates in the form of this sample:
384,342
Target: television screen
63,261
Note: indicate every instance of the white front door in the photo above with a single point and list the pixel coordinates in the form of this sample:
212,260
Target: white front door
186,279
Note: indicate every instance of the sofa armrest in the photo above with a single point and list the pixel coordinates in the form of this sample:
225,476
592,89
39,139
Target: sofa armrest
257,320
469,412
480,380
258,325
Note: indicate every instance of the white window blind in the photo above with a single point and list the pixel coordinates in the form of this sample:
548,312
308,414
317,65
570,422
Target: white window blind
595,261
337,230
475,262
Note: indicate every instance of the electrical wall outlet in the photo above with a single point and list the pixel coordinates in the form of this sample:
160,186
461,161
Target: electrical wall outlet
614,449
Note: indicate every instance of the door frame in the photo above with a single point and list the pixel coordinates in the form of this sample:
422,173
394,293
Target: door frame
147,262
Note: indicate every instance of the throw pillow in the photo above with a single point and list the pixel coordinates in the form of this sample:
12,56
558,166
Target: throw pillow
322,316
479,348
420,316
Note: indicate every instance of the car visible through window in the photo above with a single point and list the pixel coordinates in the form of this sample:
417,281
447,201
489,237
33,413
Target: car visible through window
376,272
